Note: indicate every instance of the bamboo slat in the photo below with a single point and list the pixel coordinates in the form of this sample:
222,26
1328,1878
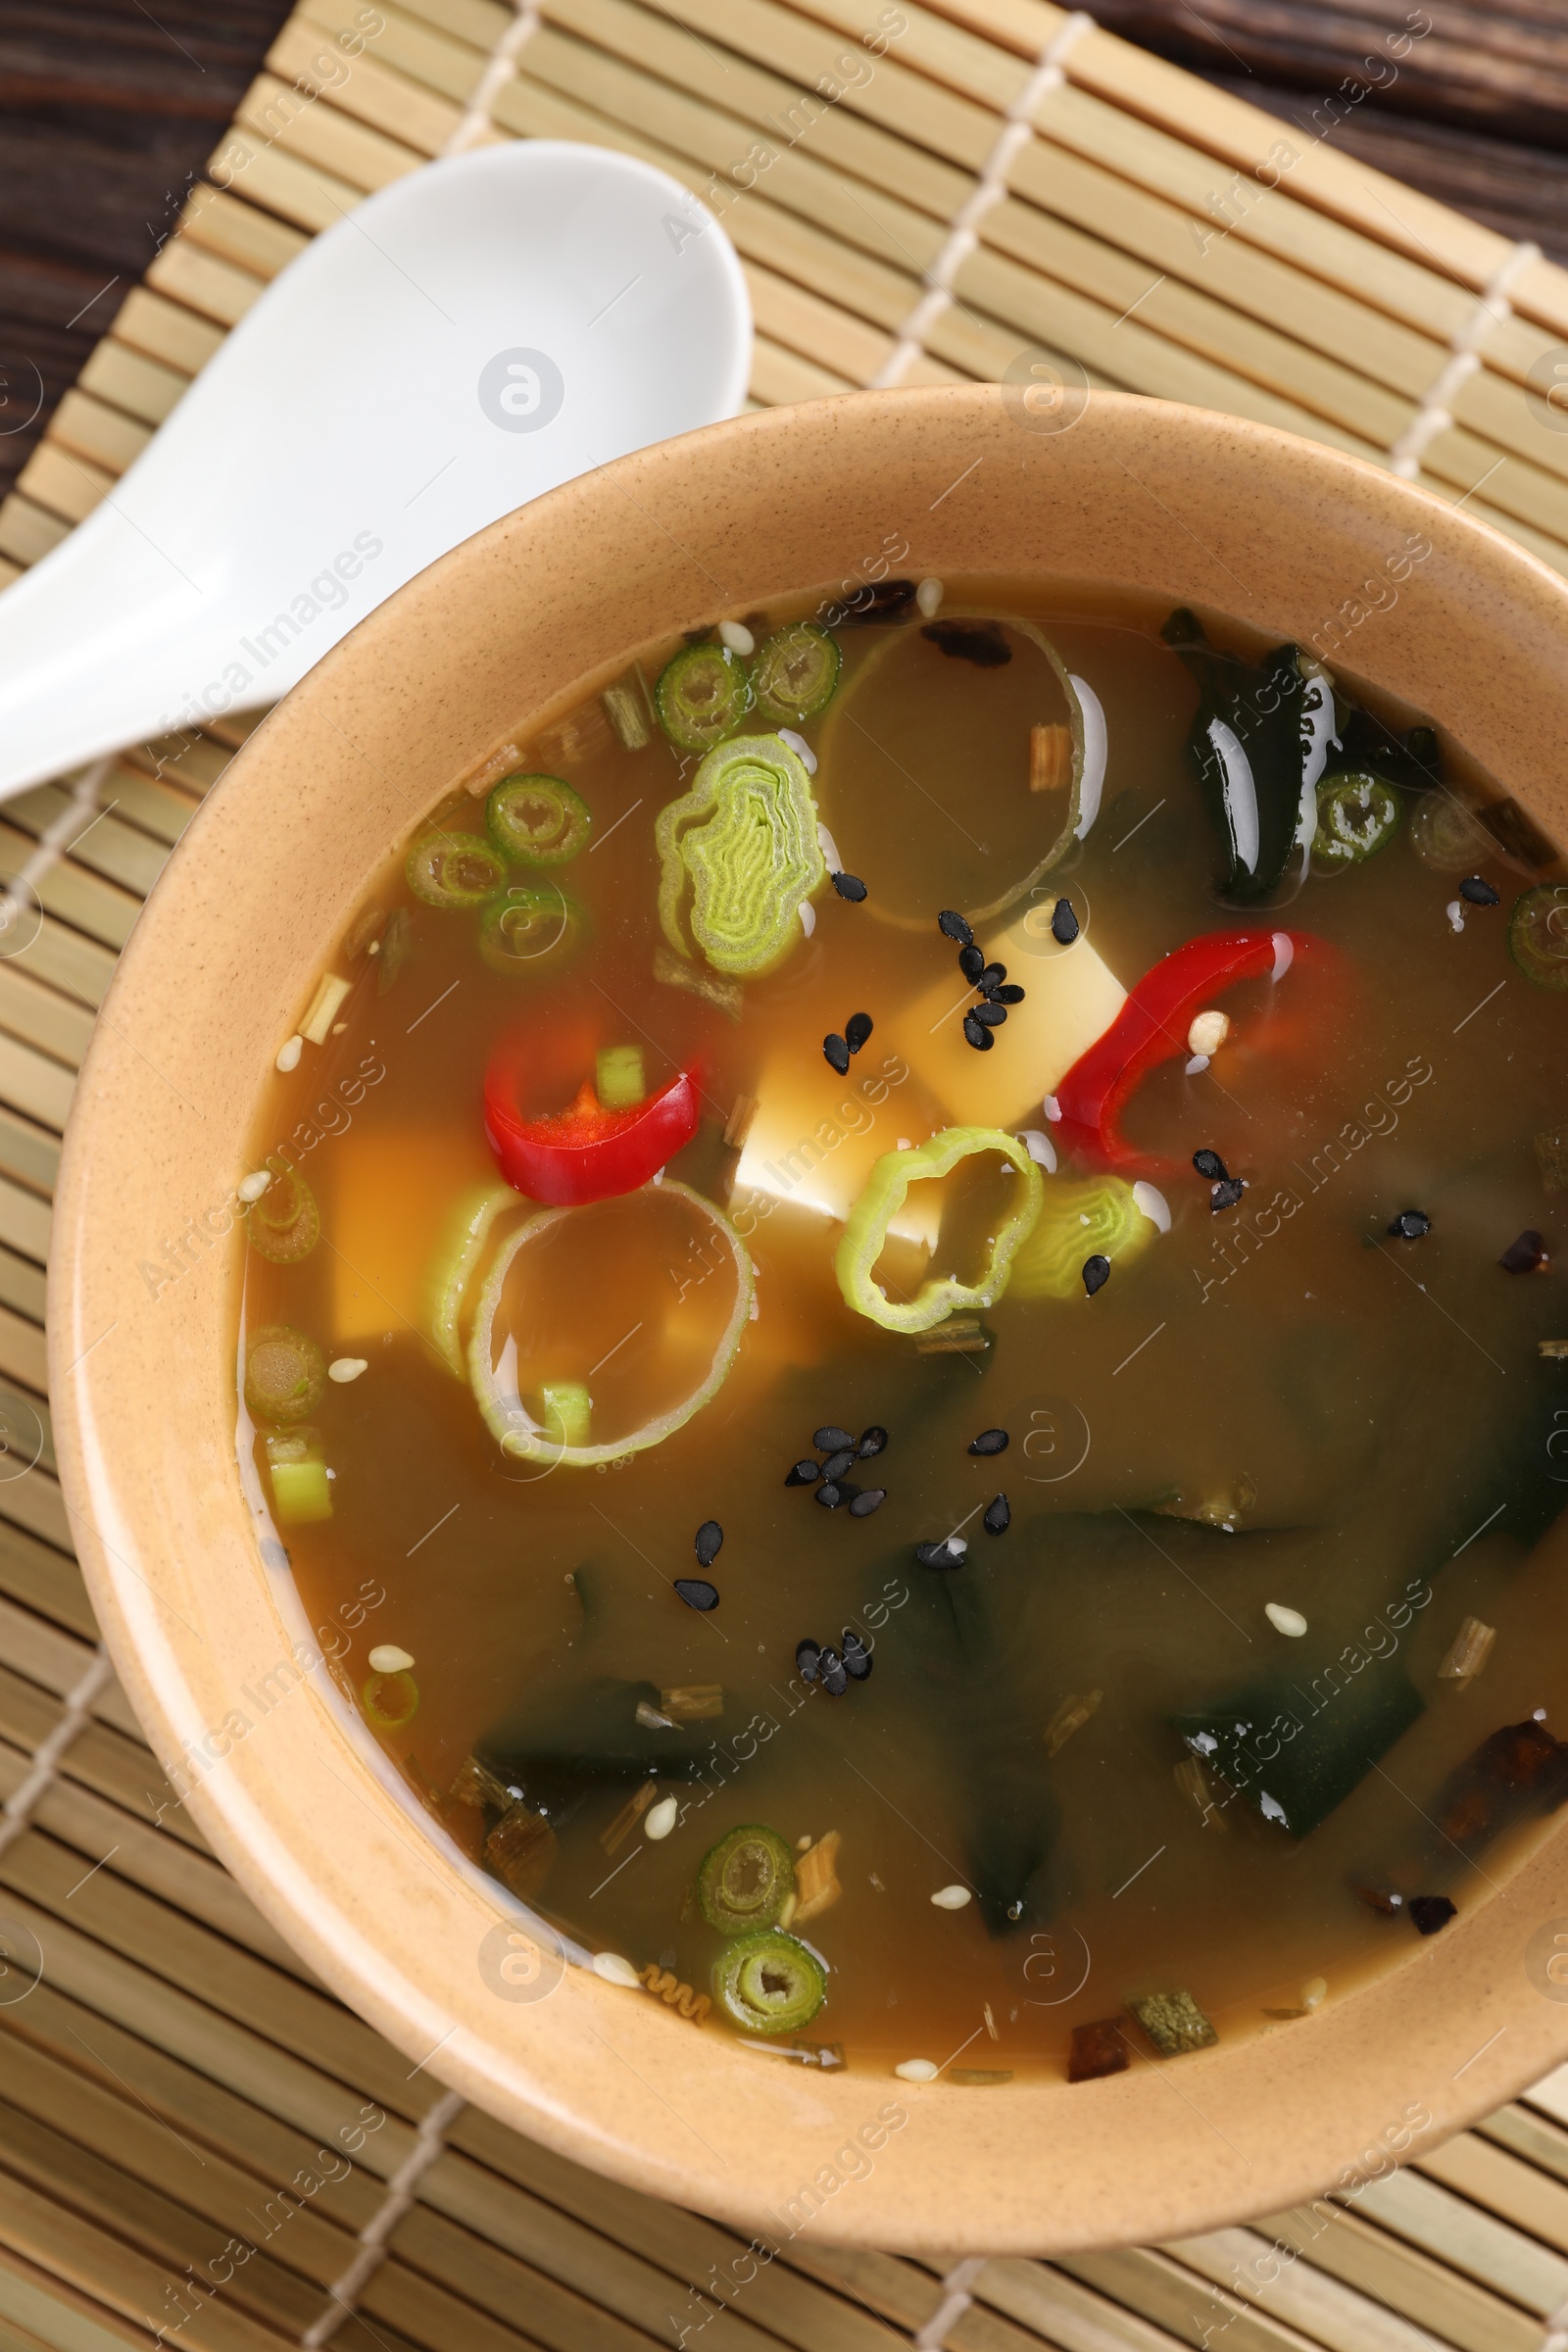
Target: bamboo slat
1133,238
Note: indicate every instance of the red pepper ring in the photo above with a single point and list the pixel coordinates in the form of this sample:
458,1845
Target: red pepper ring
1151,1026
585,1152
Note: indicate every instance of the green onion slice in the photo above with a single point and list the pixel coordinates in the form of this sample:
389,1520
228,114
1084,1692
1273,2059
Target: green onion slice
530,933
302,1492
1356,813
537,820
745,1879
523,1438
285,1373
738,856
455,869
568,1412
1099,1217
795,673
1445,834
702,696
285,1224
768,1983
390,1700
884,1196
1538,935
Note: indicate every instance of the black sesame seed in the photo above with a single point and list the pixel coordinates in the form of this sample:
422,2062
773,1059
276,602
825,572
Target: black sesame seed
977,1035
808,1658
948,1554
697,1592
804,1473
1013,994
710,1539
849,886
869,1499
989,1016
856,1029
1064,925
872,1440
837,1463
835,1682
827,1494
1225,1194
990,977
1410,1224
990,1440
1097,1273
835,1053
1210,1163
1479,892
830,1438
1524,1256
856,1657
1430,1912
998,1517
955,927
971,961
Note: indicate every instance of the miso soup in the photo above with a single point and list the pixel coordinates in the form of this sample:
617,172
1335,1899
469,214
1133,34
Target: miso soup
909,1266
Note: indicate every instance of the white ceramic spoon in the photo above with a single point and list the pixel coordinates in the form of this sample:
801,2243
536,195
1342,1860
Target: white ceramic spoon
472,335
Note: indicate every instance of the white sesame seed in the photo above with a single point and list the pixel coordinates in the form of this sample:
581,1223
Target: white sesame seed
1150,1202
251,1188
928,596
916,2069
387,1658
344,1368
1315,1992
288,1055
951,1898
1040,1148
738,637
615,1969
807,915
1454,911
661,1818
1283,1620
1197,1065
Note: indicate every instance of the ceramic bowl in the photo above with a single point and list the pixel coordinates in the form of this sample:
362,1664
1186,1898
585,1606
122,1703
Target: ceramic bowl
1197,507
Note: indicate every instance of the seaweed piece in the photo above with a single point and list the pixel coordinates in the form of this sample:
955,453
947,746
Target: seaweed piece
1173,2021
1296,1749
880,600
1519,1769
1099,2048
1249,747
1430,1912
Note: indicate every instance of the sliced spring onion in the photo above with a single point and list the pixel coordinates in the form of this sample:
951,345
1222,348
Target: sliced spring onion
455,869
537,820
285,1224
884,1196
455,1260
1356,813
1538,935
302,1492
568,1412
516,1432
795,674
768,1983
738,856
396,941
285,1373
702,696
1446,835
533,931
1097,1218
390,1700
745,1879
618,1079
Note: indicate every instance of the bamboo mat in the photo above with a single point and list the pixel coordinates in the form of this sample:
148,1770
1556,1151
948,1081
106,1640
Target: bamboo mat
179,2102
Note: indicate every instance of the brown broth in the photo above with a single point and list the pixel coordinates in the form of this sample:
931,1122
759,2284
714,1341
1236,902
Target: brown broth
1281,1403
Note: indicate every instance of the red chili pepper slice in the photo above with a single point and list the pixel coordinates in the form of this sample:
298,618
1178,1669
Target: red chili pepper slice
585,1152
1151,1026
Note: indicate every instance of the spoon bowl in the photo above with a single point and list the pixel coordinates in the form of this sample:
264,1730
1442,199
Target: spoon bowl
477,333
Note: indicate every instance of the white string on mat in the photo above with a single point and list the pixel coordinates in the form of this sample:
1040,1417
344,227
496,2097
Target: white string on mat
956,2301
56,839
16,1815
498,72
1436,413
989,189
430,2142
1555,2338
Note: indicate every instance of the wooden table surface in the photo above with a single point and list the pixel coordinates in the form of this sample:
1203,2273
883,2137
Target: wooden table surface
109,107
